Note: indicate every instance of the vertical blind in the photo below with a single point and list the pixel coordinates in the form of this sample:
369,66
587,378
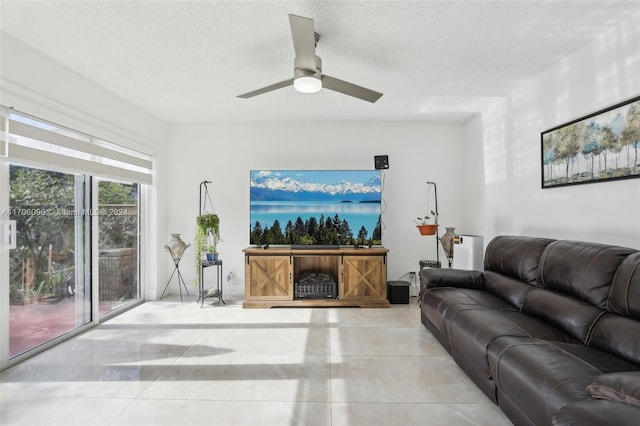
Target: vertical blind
39,141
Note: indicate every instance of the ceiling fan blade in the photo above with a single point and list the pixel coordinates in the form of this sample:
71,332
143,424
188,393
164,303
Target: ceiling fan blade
304,42
266,89
350,89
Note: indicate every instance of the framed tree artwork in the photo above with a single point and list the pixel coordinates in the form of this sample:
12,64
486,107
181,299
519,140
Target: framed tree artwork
600,147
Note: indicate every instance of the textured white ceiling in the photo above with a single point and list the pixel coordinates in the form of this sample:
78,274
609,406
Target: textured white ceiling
185,61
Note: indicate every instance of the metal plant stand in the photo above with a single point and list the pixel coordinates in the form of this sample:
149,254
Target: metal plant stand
210,292
176,263
432,263
206,263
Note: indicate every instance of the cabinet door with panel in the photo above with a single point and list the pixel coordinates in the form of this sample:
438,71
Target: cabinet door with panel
268,278
364,277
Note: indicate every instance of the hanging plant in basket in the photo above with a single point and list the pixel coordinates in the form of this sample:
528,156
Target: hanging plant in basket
423,225
207,235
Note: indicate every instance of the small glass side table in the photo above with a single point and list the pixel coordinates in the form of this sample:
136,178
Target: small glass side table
212,291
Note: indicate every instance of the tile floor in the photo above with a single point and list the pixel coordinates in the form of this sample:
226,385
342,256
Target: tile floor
172,363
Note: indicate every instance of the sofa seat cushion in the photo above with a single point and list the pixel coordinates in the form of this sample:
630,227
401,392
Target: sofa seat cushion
543,376
441,303
597,413
473,330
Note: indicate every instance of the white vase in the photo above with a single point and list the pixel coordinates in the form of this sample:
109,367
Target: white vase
176,246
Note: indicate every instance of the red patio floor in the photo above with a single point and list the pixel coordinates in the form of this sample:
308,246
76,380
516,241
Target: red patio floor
33,324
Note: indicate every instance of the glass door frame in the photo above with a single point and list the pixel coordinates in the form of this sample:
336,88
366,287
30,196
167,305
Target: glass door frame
4,265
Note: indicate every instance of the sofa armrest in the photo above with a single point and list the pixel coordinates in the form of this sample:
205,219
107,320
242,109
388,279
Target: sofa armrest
621,386
437,277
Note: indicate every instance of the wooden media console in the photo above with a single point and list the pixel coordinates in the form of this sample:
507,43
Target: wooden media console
359,273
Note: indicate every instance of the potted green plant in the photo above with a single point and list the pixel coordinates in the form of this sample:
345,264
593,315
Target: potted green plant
424,226
207,237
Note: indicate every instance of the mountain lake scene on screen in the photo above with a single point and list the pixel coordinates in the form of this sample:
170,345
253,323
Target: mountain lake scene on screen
315,207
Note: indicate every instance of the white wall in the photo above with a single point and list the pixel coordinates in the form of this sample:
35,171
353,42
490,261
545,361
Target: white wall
224,154
33,83
502,148
488,172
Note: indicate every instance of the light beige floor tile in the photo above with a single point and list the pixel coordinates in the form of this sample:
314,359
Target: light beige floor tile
296,317
266,340
183,314
228,377
367,414
182,412
85,374
400,379
31,409
76,389
384,341
167,341
394,316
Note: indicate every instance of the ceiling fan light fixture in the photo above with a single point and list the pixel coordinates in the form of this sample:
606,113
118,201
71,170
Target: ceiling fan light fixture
307,67
307,84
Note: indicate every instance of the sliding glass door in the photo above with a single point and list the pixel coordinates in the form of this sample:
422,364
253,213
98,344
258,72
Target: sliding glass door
118,240
49,292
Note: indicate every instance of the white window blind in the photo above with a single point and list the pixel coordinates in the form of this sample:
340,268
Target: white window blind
42,142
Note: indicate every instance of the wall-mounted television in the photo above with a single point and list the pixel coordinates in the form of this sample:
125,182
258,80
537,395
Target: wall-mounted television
315,207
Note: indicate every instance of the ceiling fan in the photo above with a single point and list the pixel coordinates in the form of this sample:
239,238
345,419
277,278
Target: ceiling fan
307,72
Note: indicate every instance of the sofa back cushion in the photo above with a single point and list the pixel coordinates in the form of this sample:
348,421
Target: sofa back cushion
570,314
624,298
618,335
510,289
584,270
618,332
515,256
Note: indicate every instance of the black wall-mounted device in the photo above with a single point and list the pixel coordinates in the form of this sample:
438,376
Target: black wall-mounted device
381,162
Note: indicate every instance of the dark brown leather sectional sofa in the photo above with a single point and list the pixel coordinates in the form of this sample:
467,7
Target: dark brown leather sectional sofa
550,330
